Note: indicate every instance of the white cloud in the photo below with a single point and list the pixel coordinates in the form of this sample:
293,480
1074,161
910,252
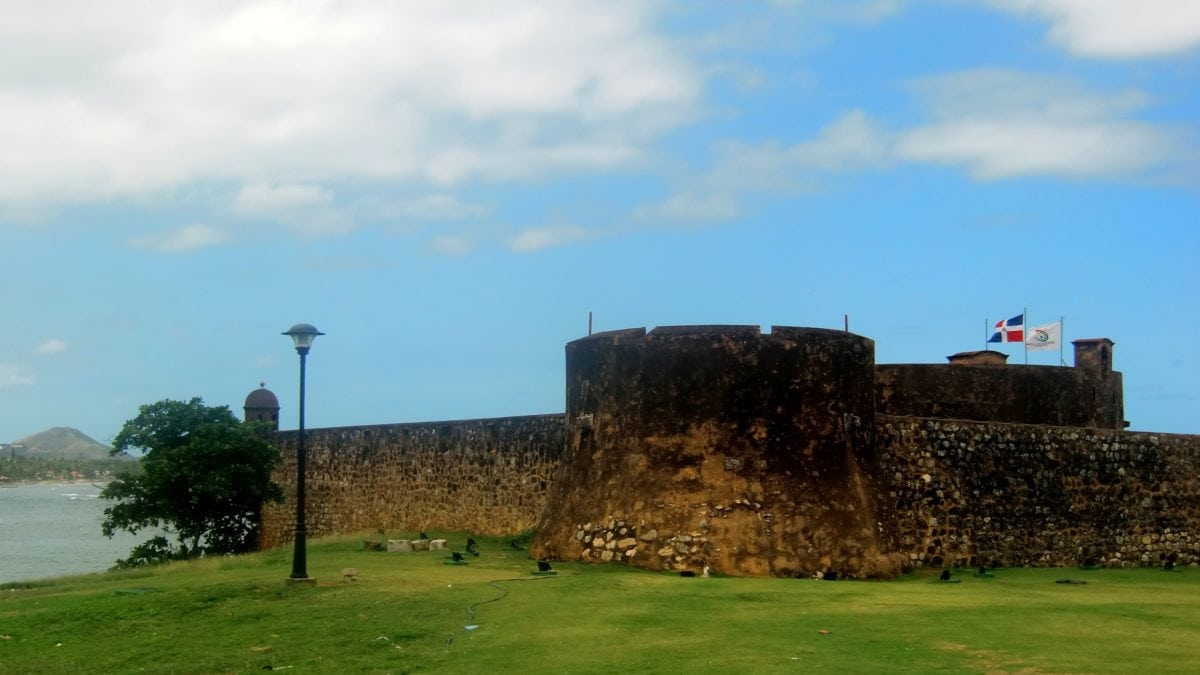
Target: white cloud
874,11
262,199
438,206
1003,124
15,376
187,238
307,208
452,245
130,98
51,346
534,239
692,207
850,143
853,142
1006,148
1117,28
995,124
862,11
1005,93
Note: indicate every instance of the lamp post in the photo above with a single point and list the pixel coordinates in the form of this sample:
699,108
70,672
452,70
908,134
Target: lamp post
302,335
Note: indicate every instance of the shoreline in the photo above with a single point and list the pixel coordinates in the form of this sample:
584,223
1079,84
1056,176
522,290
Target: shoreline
63,481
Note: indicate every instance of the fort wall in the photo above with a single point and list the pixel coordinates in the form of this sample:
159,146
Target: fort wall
779,454
488,476
1057,396
969,493
962,492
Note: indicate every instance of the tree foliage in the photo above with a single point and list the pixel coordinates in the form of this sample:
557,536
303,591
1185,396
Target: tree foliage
203,478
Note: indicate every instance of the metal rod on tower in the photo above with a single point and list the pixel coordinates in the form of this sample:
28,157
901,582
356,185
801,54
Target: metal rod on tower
589,322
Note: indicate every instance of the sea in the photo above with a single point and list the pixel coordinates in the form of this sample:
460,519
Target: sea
53,529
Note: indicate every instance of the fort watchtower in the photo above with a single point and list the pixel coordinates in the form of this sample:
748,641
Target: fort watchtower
262,406
750,453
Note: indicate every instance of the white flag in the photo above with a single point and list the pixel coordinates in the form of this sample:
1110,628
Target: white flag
1044,337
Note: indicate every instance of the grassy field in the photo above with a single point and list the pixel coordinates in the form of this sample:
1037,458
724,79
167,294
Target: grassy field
411,613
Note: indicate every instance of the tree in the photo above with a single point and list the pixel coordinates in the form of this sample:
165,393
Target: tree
202,478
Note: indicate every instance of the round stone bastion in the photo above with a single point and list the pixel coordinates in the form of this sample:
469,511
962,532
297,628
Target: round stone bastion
722,447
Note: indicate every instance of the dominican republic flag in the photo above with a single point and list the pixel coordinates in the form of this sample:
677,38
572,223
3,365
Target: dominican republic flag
1012,330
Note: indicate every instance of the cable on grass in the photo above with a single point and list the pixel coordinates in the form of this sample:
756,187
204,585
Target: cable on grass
495,583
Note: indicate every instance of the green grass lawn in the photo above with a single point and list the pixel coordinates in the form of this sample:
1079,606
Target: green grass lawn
409,613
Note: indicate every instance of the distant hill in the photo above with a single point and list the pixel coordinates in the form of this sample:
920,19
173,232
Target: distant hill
60,443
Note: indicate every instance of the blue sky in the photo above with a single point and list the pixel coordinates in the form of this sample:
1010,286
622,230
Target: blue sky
448,188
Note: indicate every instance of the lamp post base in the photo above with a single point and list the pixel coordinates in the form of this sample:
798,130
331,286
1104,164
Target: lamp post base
311,581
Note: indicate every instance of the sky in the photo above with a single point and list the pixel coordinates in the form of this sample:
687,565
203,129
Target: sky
447,188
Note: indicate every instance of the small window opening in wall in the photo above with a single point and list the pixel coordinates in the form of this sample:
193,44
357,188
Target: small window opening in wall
584,421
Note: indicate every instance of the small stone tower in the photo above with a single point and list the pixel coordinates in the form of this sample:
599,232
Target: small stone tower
1094,355
262,406
1104,389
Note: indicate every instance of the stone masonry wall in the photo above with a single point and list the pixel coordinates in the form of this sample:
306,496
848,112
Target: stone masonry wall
725,447
969,493
963,493
488,476
1059,396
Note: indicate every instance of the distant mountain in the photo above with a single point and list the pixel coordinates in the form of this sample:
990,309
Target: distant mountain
59,443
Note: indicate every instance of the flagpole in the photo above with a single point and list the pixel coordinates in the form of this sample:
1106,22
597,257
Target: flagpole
985,334
1061,337
1024,331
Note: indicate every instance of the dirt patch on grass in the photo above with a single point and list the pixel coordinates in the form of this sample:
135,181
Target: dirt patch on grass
989,661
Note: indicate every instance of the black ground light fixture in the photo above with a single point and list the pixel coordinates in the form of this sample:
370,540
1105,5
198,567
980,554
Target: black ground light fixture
302,335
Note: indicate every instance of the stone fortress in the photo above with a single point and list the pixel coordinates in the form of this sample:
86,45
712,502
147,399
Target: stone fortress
780,453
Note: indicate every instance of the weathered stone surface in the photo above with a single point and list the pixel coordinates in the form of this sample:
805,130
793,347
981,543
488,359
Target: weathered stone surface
399,546
420,544
1014,494
487,476
1079,397
668,411
807,450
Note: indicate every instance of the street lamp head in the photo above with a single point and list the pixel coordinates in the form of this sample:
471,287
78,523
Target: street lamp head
303,335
